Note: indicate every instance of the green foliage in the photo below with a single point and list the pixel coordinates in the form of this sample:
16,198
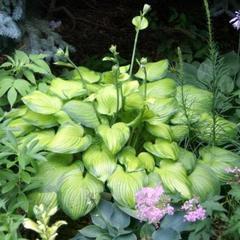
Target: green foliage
18,75
109,223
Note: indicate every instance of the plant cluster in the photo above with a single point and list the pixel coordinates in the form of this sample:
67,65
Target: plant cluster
153,142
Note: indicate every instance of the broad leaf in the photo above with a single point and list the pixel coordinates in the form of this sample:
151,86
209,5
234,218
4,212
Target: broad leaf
82,112
42,103
69,139
78,195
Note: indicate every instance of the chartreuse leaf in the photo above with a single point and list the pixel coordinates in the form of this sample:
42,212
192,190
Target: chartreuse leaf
163,88
219,159
87,75
66,89
160,130
99,162
20,127
40,120
124,186
129,87
133,101
51,172
163,149
128,158
163,108
114,137
147,161
82,112
48,199
224,129
42,138
16,112
174,178
179,132
204,182
78,195
107,100
195,99
42,103
155,70
69,139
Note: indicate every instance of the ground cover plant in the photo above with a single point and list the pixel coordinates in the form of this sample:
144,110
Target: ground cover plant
148,150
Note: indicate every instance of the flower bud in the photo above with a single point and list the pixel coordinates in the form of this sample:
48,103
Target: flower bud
146,8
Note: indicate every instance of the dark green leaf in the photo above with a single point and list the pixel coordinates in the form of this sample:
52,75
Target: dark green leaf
91,231
166,234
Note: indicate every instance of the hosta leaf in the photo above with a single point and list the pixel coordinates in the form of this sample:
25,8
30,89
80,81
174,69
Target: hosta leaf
42,138
147,161
188,159
42,103
82,112
133,101
107,100
114,137
195,99
163,108
78,195
40,120
128,158
69,139
174,178
179,132
219,159
160,130
50,173
48,199
155,70
225,131
66,89
20,127
99,162
204,182
16,112
87,75
163,149
166,234
163,88
130,87
124,186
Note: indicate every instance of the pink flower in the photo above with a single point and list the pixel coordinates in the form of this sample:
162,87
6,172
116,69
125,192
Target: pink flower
194,211
152,204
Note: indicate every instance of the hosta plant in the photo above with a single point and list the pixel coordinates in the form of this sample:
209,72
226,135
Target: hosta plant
111,131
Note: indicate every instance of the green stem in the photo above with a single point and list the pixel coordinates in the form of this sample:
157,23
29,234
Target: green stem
183,100
134,51
117,91
238,55
85,86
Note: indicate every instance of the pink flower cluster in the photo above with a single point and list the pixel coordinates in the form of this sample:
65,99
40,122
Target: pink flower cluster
152,204
194,211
